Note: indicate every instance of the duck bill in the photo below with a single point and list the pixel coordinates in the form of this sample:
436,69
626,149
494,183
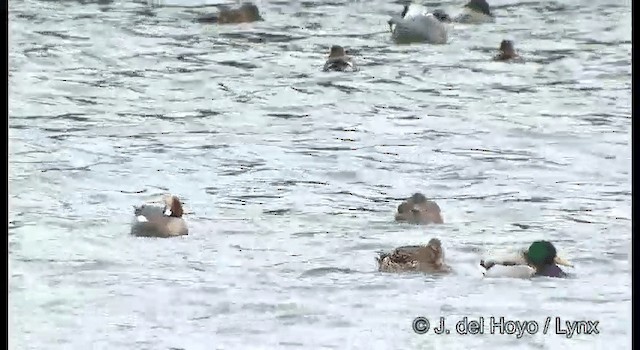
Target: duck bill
560,261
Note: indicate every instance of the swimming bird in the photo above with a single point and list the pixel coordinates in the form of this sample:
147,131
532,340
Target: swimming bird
419,258
507,52
415,24
339,61
247,12
155,221
475,12
417,209
541,257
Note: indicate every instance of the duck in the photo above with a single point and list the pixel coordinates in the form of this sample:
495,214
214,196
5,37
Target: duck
415,24
339,61
246,13
507,52
417,209
156,221
416,258
475,12
541,257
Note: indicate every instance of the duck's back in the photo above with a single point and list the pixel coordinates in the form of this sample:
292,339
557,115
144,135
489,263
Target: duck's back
148,211
420,29
150,221
339,64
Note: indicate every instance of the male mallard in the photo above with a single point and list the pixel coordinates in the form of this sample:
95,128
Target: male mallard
541,257
418,209
339,61
422,258
155,221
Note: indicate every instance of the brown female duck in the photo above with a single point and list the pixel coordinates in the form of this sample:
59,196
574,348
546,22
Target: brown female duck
339,61
418,209
246,13
421,258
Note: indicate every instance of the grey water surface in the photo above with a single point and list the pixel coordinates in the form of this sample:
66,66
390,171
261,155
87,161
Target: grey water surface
292,174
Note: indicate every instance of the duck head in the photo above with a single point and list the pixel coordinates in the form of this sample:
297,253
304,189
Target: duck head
543,253
438,253
250,12
172,206
336,51
419,210
507,50
441,16
479,6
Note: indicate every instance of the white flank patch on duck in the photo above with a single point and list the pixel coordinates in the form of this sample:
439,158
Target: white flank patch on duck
511,256
167,212
519,271
141,218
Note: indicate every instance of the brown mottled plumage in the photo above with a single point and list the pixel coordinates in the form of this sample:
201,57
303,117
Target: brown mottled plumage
419,210
246,13
426,258
338,60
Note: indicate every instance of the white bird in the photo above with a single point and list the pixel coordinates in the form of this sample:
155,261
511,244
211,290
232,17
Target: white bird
415,24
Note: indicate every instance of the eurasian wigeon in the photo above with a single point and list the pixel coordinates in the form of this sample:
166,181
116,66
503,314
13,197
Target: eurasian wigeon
475,12
156,221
